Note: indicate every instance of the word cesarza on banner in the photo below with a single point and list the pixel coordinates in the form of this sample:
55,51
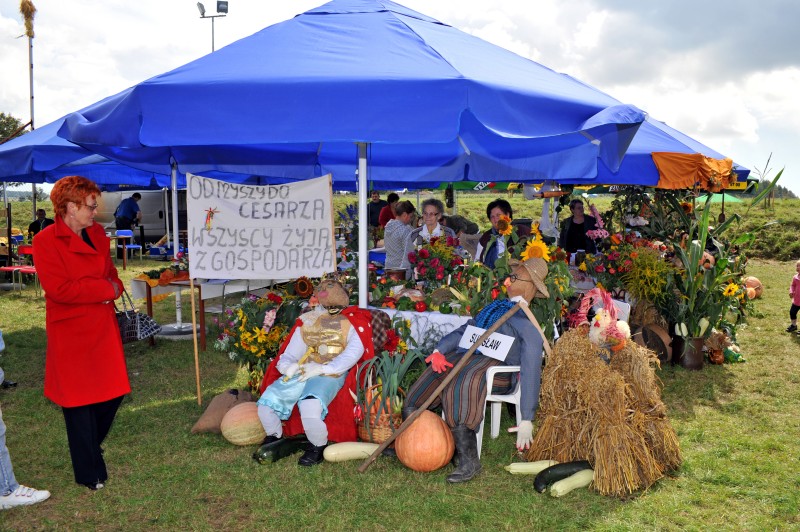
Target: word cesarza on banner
260,232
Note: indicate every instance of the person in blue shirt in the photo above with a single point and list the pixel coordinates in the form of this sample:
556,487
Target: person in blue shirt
128,212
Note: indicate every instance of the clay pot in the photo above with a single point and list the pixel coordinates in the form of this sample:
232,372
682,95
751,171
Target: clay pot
689,352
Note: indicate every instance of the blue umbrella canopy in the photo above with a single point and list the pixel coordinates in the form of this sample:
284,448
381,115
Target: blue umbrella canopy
638,167
433,103
41,156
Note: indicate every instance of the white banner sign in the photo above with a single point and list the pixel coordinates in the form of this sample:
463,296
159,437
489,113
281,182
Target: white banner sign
495,346
260,232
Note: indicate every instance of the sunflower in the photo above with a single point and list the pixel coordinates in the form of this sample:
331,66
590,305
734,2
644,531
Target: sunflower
731,290
303,287
504,225
536,249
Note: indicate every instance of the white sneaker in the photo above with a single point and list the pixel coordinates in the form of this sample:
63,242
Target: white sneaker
23,496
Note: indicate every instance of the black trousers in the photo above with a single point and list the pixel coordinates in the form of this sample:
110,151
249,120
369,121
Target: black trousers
87,427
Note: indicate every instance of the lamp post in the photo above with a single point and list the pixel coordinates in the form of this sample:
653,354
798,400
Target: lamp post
222,10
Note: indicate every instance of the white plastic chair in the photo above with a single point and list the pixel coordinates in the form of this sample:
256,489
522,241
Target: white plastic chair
496,399
129,245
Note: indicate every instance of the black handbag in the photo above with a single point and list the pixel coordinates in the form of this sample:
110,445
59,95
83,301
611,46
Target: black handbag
134,325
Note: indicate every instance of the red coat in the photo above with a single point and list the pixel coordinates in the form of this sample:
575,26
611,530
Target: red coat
85,360
341,421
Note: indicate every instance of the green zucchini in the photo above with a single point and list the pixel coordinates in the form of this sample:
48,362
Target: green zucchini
274,451
558,472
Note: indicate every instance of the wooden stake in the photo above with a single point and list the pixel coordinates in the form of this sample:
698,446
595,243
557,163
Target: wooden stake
194,341
453,372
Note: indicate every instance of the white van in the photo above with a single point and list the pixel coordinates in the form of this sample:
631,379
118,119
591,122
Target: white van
156,211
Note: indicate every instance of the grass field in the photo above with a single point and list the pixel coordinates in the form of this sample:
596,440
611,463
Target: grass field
737,424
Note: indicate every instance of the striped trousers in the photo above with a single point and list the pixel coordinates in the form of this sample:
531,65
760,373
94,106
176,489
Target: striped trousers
463,399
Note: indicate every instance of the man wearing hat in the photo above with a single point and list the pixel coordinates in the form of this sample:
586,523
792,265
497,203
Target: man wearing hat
462,401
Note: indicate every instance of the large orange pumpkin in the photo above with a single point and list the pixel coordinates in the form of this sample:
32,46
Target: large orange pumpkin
241,425
755,284
426,445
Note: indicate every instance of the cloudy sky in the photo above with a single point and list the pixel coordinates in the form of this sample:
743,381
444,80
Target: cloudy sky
724,72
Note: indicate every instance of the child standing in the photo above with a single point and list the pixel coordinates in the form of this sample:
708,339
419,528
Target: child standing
794,293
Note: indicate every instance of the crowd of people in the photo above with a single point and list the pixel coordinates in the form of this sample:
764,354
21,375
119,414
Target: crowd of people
404,230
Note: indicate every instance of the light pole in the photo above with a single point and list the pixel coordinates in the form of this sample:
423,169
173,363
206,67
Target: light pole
222,7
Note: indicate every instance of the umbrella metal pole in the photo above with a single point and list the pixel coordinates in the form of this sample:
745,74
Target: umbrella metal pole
178,328
363,227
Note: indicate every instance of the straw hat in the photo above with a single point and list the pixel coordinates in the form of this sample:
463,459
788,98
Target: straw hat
537,269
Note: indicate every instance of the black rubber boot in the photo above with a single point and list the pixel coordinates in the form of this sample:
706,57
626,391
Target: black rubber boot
407,411
469,464
312,456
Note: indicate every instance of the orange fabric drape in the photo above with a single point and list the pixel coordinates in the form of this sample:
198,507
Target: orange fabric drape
685,170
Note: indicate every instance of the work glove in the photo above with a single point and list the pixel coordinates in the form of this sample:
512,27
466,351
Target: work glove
438,362
312,369
524,435
291,369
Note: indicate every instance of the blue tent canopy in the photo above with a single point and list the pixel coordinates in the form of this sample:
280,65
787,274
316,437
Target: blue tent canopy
638,167
433,104
41,156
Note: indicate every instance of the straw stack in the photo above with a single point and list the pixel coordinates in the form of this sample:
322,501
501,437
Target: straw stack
610,414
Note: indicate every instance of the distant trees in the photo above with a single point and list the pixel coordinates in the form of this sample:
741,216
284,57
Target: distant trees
9,126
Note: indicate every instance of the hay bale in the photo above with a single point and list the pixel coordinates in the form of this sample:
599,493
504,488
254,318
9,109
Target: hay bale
608,413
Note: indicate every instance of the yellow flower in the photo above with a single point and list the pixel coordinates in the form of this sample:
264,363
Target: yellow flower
504,225
582,267
260,335
730,290
535,233
536,249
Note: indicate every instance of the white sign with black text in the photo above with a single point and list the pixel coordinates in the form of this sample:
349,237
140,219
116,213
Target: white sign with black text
260,232
495,346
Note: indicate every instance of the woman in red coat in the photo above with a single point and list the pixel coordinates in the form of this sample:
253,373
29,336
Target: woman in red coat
85,371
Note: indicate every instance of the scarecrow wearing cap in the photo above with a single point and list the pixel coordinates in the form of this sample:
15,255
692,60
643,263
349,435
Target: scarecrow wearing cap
463,398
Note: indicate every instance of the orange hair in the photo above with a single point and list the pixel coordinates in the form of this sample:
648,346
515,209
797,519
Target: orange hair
72,188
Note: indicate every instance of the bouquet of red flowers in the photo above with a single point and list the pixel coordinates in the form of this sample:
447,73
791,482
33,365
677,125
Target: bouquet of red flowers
436,259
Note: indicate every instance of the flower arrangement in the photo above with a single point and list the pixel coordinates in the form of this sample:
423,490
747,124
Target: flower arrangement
600,233
252,333
435,260
609,267
647,278
698,284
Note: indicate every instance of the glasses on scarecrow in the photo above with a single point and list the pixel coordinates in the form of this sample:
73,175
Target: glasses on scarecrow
514,277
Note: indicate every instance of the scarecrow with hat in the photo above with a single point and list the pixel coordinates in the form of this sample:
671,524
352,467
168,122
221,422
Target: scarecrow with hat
521,343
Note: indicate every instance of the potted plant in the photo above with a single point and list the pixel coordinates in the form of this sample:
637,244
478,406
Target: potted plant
698,284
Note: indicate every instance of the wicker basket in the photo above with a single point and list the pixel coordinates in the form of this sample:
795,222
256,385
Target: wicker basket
378,429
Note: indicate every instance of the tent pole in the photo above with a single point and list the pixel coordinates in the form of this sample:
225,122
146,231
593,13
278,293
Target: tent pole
176,241
164,192
363,226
